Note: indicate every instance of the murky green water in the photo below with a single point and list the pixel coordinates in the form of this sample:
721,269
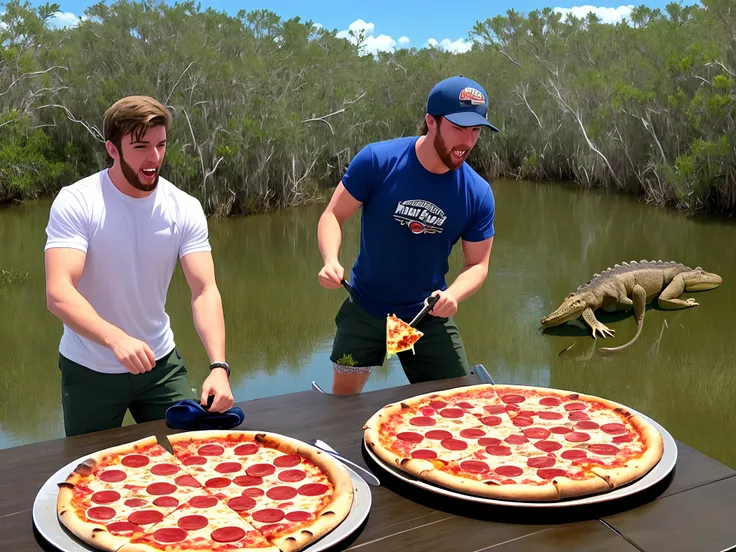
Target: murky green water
550,239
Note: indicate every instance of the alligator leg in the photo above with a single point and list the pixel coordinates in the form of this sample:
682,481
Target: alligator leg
596,326
639,298
668,299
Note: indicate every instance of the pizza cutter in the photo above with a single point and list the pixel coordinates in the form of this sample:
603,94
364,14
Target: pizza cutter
422,313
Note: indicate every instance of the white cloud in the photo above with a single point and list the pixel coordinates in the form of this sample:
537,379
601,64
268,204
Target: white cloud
64,19
459,46
606,15
404,41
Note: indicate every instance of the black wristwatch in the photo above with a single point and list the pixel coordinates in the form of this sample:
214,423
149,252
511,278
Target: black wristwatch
221,365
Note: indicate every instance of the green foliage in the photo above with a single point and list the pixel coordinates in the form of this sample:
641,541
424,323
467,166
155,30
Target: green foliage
268,111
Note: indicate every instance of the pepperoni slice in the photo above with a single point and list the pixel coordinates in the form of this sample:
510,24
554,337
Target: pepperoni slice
136,502
508,471
574,406
169,535
573,454
299,516
550,401
145,517
228,467
464,405
192,522
474,466
249,480
438,434
135,461
498,450
427,411
203,501
160,488
549,415
211,450
424,454
438,405
513,399
105,497
586,425
551,473
626,438
454,444
113,476
548,446
516,440
102,513
187,481
577,437
164,469
613,429
422,421
522,421
281,493
194,461
578,415
527,413
292,476
217,483
604,450
123,528
287,461
269,515
489,441
410,437
241,503
246,450
166,502
452,413
260,470
541,461
472,433
490,420
560,430
536,433
253,492
227,534
313,489
495,408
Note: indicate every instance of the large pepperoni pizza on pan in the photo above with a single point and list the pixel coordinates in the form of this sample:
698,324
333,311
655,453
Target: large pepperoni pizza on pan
219,490
515,442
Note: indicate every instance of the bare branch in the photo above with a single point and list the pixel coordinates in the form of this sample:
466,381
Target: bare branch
33,74
177,82
324,117
92,129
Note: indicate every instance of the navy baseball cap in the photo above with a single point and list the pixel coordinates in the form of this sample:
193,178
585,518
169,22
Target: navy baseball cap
461,101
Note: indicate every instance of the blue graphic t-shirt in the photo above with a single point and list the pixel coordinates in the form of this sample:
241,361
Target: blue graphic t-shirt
410,221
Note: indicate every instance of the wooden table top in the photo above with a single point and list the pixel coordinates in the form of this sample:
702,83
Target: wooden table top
692,510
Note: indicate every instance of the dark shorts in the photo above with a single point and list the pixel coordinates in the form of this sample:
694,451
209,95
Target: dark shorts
93,401
439,354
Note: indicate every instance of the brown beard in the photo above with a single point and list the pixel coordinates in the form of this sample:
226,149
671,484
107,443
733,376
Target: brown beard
132,177
443,151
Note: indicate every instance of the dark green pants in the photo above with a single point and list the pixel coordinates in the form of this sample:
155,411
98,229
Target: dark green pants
439,354
93,401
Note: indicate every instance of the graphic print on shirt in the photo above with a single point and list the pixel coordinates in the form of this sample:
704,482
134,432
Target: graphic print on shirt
421,217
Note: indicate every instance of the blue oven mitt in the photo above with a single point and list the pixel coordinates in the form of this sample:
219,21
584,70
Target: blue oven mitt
189,414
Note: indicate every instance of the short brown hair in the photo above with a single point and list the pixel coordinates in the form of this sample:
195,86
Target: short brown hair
134,114
423,128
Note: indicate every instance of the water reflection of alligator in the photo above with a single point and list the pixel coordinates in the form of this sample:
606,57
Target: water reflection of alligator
631,286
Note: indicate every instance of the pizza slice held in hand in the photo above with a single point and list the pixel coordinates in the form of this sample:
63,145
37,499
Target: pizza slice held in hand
400,336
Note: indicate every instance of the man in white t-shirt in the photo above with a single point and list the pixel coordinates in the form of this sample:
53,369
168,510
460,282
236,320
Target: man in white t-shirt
113,242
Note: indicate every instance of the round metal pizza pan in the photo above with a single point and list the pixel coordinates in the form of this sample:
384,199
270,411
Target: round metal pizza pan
47,522
661,470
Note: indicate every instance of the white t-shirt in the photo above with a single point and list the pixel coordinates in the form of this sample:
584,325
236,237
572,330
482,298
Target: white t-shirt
132,248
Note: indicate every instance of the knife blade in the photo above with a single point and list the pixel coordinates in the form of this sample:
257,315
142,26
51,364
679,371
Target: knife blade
422,313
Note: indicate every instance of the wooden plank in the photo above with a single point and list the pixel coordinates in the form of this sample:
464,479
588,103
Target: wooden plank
699,519
694,469
591,536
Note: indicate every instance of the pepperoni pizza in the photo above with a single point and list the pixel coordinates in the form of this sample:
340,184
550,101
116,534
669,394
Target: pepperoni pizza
400,336
219,490
515,442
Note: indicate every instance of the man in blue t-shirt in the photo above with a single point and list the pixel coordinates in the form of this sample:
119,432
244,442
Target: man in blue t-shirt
418,197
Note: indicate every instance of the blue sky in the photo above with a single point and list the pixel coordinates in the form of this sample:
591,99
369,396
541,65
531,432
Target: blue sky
387,21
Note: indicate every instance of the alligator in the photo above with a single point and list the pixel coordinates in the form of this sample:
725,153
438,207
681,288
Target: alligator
629,286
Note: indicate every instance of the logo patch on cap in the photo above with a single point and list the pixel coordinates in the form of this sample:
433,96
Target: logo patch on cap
472,96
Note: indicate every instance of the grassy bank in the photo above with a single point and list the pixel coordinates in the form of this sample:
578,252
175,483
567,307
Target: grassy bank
268,111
